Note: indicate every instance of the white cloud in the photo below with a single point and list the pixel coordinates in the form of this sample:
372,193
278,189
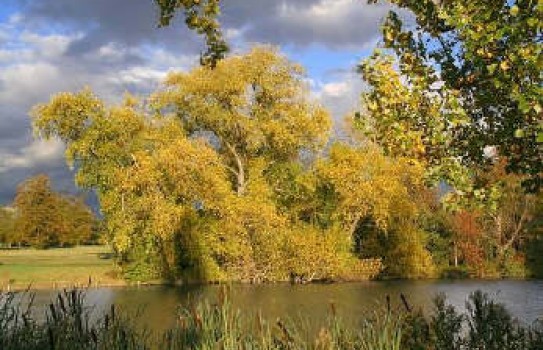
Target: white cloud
341,96
4,35
7,57
166,60
338,24
37,153
138,76
233,34
25,83
326,10
111,51
48,46
336,89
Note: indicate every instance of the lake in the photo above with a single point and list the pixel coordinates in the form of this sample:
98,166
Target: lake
524,299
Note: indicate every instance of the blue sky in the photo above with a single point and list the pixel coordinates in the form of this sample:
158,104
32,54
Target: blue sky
7,9
113,46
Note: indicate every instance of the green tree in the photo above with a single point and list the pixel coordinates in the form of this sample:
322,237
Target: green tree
506,224
149,177
201,16
475,70
365,182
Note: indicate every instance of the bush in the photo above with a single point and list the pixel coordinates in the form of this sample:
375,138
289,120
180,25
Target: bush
487,324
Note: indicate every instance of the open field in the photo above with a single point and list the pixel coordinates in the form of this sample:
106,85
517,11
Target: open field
57,268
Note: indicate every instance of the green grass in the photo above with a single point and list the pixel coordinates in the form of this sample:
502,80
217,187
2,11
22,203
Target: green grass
57,268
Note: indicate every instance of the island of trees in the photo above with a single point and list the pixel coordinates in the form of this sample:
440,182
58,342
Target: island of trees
230,172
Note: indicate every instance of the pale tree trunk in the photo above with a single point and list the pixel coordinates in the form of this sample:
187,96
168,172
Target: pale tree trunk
354,225
516,233
498,232
241,181
455,253
504,242
499,228
239,171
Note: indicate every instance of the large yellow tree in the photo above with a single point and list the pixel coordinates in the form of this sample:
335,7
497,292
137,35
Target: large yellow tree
251,106
186,184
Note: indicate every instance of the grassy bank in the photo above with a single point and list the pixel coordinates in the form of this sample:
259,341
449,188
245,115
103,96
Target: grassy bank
57,268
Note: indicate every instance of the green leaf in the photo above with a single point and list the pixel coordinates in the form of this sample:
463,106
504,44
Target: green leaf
492,68
532,22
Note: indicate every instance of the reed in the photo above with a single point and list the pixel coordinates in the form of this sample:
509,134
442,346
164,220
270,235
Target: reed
70,324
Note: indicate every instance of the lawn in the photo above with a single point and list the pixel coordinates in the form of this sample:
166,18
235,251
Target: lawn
57,268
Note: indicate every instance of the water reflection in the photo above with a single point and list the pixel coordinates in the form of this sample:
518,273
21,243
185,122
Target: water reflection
312,302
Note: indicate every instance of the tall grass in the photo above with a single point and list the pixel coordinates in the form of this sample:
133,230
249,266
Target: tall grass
69,324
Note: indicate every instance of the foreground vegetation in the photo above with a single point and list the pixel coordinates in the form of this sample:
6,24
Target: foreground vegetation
57,268
70,324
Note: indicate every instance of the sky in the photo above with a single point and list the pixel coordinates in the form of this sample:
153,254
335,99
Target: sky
114,46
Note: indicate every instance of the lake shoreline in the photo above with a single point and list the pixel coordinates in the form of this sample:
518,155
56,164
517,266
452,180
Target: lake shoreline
61,285
93,266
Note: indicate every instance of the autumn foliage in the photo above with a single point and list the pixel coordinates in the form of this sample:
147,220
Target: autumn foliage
43,218
226,176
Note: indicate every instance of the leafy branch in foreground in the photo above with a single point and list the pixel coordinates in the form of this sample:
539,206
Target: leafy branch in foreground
201,16
465,77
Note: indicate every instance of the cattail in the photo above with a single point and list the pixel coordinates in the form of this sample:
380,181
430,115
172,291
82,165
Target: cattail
94,337
53,312
284,330
51,338
405,303
61,303
113,312
333,309
388,303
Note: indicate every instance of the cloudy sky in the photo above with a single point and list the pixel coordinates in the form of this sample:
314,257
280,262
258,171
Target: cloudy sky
47,46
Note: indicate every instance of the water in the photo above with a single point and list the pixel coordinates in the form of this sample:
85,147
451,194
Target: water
158,305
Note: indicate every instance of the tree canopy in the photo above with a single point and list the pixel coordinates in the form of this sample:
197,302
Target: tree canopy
468,78
474,69
222,175
201,16
44,218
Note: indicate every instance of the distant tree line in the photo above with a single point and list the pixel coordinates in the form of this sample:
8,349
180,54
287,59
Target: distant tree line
42,218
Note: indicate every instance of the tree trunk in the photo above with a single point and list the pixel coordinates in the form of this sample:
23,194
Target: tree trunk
455,253
239,172
241,180
514,236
